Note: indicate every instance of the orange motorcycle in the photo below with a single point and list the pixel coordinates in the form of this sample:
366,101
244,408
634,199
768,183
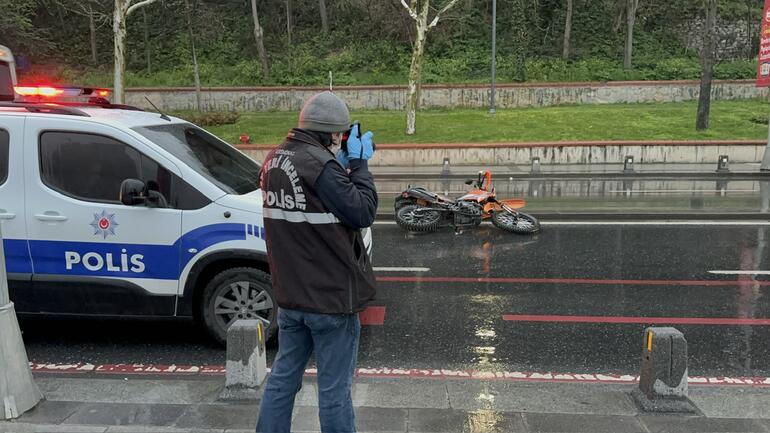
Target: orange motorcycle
420,210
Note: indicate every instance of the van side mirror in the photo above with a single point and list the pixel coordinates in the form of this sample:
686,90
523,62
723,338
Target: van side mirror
132,192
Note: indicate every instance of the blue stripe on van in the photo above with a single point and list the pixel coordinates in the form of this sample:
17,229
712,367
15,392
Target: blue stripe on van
164,262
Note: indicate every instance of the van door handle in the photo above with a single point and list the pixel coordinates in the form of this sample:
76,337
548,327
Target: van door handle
51,216
5,215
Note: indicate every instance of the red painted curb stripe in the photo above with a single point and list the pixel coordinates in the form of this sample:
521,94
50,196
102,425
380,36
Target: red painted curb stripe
391,373
640,320
697,283
372,316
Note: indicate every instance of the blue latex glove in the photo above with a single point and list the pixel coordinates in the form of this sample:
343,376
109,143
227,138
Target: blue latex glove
362,148
342,158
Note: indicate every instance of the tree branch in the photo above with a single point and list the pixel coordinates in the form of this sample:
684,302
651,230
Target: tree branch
412,12
136,6
438,15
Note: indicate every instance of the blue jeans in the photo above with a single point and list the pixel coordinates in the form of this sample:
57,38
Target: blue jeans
335,340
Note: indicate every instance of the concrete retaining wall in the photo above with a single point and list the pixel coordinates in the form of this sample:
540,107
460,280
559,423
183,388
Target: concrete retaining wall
555,153
441,96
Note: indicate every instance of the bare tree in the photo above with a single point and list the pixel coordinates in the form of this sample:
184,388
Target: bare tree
288,21
123,9
259,37
196,71
567,31
631,8
324,18
707,64
92,29
418,10
147,49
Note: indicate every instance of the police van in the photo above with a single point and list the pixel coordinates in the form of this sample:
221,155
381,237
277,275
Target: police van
112,211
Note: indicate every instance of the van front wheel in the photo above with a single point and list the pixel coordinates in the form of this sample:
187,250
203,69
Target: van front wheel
238,293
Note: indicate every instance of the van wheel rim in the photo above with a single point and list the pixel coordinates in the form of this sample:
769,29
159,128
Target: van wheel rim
242,300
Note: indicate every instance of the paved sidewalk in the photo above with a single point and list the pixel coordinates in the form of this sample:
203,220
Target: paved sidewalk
131,404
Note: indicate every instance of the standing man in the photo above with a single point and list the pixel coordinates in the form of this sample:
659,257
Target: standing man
315,205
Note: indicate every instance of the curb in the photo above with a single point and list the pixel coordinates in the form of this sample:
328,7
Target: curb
538,144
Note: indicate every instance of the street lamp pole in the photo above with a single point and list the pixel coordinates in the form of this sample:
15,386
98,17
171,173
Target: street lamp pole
492,107
18,392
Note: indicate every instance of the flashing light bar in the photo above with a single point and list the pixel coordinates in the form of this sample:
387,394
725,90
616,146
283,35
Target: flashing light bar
38,91
53,92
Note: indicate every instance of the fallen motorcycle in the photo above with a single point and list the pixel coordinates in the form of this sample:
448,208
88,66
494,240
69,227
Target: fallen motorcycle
420,210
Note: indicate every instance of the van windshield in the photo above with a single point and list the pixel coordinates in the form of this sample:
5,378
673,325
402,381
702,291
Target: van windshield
217,161
6,83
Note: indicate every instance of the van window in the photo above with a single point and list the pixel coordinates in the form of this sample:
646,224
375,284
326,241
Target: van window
5,140
217,161
6,84
92,167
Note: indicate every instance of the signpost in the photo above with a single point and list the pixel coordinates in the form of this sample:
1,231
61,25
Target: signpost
763,71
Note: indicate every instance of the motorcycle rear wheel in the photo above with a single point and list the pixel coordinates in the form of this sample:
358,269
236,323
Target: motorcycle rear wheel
416,218
521,223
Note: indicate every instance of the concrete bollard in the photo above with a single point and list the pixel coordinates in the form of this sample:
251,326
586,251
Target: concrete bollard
628,164
246,360
535,165
663,380
18,391
723,164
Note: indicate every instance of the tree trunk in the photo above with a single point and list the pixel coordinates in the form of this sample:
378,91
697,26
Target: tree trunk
147,50
259,39
567,31
631,6
288,21
92,28
119,31
707,72
415,73
196,72
324,19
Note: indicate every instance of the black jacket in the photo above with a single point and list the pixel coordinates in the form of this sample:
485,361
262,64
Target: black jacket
317,262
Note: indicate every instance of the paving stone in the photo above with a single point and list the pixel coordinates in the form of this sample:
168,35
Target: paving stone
234,416
442,420
51,412
378,419
577,423
109,414
666,423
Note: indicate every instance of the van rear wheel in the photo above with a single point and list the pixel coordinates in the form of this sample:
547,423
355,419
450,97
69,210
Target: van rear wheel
238,293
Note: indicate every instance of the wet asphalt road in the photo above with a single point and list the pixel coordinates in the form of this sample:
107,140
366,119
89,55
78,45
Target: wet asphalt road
451,316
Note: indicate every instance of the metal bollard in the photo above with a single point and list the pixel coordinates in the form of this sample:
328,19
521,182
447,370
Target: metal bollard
663,380
723,164
246,360
628,164
445,167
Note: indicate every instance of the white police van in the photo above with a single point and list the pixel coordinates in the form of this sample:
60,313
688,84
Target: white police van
112,211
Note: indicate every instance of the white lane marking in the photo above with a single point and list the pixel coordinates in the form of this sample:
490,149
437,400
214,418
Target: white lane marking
635,223
740,272
397,269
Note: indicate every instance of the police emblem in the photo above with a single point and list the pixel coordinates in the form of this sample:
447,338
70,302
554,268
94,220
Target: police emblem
104,223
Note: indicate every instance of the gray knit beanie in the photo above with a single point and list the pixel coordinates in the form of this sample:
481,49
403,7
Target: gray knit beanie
325,112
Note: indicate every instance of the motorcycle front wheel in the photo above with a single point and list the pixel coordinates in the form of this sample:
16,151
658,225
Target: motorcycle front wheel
416,218
520,223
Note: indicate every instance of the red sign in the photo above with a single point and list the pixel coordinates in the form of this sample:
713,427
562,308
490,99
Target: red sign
763,68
